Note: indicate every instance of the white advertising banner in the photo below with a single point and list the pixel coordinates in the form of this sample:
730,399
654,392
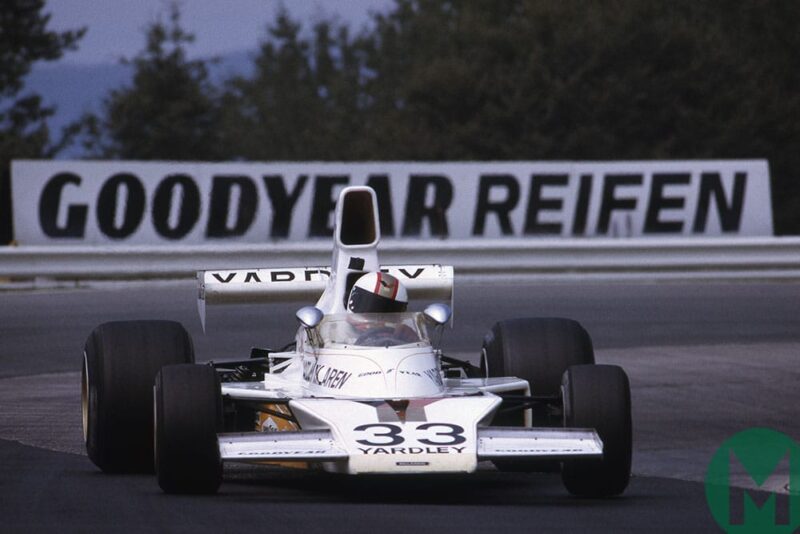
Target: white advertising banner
170,203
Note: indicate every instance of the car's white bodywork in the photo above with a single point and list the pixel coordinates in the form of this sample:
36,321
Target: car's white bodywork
359,403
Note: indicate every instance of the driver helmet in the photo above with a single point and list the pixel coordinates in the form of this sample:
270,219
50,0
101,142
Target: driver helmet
377,293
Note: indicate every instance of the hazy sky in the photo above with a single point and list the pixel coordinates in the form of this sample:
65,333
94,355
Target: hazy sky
220,26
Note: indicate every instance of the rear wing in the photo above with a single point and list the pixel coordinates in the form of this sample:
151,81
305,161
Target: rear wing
306,284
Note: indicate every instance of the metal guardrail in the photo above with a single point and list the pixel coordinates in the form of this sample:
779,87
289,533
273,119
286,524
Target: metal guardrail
547,258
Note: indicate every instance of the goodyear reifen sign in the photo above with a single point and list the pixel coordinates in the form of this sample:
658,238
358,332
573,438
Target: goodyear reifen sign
158,203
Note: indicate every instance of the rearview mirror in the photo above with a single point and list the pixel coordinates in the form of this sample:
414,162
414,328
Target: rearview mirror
438,313
309,316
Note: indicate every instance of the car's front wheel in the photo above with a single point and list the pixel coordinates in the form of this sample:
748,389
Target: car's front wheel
539,350
188,415
599,397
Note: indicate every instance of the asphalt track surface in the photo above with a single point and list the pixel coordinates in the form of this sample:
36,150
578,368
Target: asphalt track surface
705,361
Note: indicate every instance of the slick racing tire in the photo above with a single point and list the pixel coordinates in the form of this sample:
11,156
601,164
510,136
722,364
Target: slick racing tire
538,350
599,397
188,406
120,362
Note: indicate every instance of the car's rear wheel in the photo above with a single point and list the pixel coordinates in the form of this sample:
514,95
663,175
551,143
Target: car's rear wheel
120,362
538,350
188,407
598,396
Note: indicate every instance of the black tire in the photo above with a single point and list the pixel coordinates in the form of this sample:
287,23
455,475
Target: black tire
120,363
599,397
188,406
538,350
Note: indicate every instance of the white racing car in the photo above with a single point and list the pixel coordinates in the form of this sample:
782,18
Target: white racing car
362,389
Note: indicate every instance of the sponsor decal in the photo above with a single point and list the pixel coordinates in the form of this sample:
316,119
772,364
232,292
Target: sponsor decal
428,438
295,275
265,276
269,275
412,450
107,202
407,273
370,373
293,453
324,375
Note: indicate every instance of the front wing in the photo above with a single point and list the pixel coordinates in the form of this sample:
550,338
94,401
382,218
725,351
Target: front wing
410,436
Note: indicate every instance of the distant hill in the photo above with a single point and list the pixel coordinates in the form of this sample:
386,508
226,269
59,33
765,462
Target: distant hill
76,89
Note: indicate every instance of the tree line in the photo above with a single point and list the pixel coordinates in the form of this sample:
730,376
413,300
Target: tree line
471,80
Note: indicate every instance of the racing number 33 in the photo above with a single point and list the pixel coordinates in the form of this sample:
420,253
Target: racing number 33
389,434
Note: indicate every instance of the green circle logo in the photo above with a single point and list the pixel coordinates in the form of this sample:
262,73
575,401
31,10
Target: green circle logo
753,483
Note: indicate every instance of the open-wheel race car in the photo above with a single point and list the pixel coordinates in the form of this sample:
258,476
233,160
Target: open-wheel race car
362,389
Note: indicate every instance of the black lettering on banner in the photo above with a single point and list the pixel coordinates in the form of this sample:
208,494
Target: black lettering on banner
380,183
658,202
582,205
49,203
220,206
281,276
730,213
107,205
283,203
610,203
224,280
500,208
416,208
537,204
176,188
324,204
